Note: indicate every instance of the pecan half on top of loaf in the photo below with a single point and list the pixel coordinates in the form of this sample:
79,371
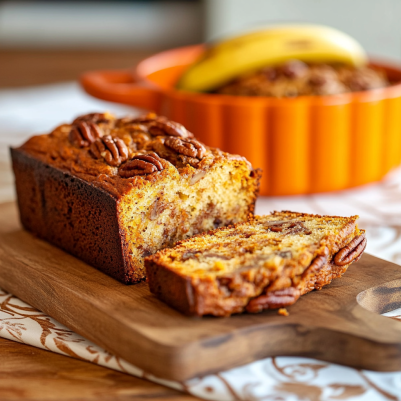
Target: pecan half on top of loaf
83,133
162,127
155,125
113,150
186,147
85,129
141,165
145,118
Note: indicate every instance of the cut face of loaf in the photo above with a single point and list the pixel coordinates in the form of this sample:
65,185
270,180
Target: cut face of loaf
266,263
113,191
161,213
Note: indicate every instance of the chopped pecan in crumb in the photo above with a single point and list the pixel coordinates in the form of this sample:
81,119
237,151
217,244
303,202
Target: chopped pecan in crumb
83,133
141,165
285,254
113,150
186,147
197,177
318,263
283,312
290,228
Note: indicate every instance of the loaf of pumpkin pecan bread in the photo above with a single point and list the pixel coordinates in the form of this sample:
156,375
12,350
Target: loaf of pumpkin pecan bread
265,263
114,190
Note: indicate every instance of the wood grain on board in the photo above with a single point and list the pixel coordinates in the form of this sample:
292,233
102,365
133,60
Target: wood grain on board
131,323
29,373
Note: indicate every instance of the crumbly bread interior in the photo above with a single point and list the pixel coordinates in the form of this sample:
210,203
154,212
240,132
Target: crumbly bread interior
225,270
178,207
255,244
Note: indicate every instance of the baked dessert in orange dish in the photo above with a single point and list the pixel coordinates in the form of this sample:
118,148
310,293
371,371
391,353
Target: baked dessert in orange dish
297,78
265,263
112,191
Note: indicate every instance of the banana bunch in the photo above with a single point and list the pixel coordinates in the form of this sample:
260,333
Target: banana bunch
249,52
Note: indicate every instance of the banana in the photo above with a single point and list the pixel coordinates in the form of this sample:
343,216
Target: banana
242,54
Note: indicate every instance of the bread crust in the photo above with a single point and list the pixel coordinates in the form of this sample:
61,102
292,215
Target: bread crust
71,192
70,213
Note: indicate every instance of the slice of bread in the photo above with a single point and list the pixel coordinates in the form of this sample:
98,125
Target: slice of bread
265,263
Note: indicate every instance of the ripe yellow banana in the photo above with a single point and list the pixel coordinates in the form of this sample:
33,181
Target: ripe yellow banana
235,56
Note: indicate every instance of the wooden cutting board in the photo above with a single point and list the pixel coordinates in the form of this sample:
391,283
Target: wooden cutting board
339,324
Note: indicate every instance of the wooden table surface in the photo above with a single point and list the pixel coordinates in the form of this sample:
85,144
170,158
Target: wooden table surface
35,67
28,373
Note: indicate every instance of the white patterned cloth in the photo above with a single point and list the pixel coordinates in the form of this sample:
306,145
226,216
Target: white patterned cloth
281,378
25,111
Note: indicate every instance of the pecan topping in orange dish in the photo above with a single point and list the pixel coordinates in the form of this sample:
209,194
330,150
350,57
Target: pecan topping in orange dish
141,165
186,147
113,150
83,133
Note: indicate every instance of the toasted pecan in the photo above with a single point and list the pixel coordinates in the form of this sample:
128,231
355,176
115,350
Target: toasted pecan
83,133
169,128
352,251
186,147
141,165
113,150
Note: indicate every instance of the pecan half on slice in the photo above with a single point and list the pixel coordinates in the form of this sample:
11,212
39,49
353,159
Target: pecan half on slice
318,263
141,165
162,127
352,252
113,150
274,300
83,133
186,147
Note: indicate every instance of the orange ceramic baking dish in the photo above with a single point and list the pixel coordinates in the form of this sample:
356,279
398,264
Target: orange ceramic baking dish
304,145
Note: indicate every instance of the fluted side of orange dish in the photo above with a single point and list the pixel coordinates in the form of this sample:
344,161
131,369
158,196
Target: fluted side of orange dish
304,145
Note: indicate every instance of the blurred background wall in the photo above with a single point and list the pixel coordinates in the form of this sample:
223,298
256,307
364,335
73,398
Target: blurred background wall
52,41
374,23
159,24
100,24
